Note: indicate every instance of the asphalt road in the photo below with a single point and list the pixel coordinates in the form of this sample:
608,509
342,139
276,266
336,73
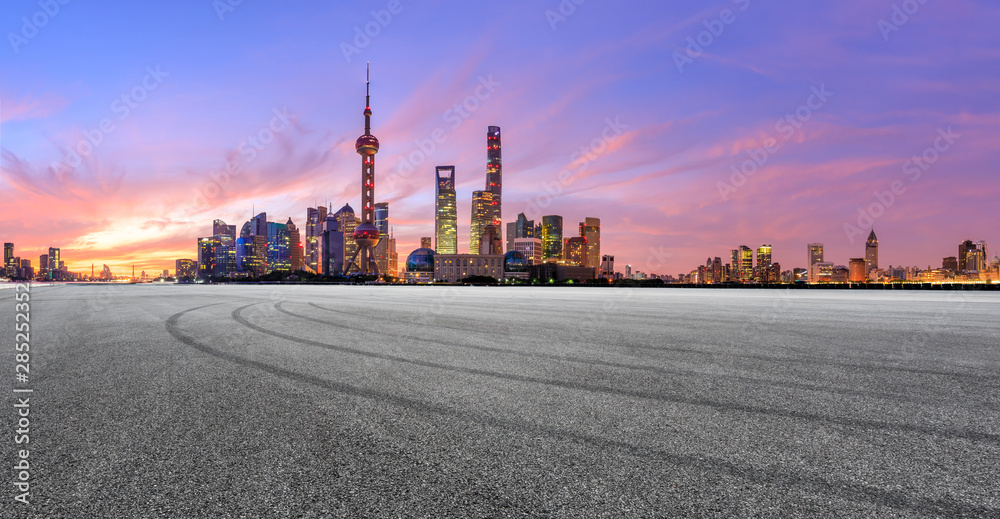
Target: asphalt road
342,401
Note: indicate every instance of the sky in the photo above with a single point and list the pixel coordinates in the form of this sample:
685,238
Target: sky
688,127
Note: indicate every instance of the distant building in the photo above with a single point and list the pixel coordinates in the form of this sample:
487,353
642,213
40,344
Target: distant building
558,272
576,251
207,266
295,251
455,267
531,248
745,260
950,263
333,247
185,268
482,215
494,179
426,242
552,237
763,262
445,212
55,264
420,266
315,218
857,270
590,228
822,272
815,255
225,248
871,254
972,256
608,266
8,260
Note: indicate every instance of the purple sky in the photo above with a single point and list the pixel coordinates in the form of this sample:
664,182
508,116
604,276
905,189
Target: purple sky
832,99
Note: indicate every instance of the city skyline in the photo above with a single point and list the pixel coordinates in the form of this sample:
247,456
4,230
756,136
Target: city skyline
664,128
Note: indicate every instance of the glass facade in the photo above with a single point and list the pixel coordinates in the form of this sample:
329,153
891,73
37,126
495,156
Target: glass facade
446,212
552,237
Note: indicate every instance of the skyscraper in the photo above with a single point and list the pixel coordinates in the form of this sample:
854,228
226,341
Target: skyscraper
366,235
382,249
446,214
494,174
576,251
815,255
55,263
382,217
347,224
590,228
871,254
763,262
294,246
206,257
745,264
8,258
552,237
315,216
482,215
225,248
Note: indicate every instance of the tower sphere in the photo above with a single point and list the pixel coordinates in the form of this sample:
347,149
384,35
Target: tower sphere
366,235
366,145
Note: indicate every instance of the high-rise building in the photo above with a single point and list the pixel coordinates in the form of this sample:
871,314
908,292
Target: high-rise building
745,264
815,255
763,262
734,265
494,175
426,242
294,245
347,224
590,228
366,235
225,249
334,244
552,237
55,263
382,249
718,272
206,257
8,259
520,228
43,265
446,212
576,251
482,215
315,217
950,263
972,256
871,254
489,242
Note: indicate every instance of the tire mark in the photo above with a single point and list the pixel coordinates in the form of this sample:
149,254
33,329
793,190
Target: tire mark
579,386
769,476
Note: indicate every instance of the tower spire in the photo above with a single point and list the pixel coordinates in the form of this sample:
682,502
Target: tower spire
368,102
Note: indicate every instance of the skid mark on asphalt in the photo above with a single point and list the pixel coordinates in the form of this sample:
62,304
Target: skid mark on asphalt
562,384
770,476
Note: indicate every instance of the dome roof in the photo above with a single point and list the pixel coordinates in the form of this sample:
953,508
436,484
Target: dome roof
514,261
366,142
420,260
346,209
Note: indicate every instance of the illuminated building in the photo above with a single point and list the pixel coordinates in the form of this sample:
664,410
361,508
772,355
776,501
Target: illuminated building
43,265
55,264
347,223
515,265
531,248
871,254
426,242
333,244
552,237
494,176
294,246
366,235
822,272
590,228
520,228
420,266
815,255
8,259
972,256
734,265
857,270
950,263
576,251
315,216
718,272
278,248
251,247
763,262
446,212
382,250
206,257
745,264
225,249
482,215
489,242
185,268
456,267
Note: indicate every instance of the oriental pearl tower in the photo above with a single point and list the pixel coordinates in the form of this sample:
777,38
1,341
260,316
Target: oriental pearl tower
366,234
